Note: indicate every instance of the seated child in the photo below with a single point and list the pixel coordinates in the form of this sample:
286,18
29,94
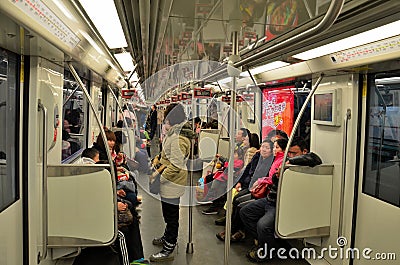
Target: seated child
90,156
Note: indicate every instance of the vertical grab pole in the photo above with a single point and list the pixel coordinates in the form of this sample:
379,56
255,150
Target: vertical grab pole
235,23
343,179
42,255
189,246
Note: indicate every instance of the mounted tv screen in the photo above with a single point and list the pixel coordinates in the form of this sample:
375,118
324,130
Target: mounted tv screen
323,107
327,106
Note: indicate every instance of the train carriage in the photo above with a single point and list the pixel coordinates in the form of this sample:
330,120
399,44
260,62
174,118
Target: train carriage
328,71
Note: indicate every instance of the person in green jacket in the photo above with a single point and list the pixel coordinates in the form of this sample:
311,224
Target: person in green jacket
176,149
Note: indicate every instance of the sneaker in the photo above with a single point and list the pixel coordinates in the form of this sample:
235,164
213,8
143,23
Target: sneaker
220,221
210,211
140,261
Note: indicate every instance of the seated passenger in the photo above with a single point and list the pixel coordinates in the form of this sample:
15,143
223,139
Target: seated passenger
257,168
217,196
258,217
218,187
126,191
89,156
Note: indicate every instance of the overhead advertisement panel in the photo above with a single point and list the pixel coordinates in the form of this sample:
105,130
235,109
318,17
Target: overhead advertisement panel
278,110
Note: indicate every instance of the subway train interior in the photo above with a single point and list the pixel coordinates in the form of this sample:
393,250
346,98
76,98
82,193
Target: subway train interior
72,72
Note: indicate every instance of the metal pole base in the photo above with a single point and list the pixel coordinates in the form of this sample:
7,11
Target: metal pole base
189,248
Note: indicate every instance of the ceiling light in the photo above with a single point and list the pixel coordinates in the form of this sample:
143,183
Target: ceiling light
125,60
134,77
382,32
388,80
105,17
92,42
265,68
64,10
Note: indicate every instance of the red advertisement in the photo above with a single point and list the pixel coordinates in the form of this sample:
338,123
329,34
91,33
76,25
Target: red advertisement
277,110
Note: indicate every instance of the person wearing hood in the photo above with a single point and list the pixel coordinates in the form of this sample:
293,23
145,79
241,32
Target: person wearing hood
176,150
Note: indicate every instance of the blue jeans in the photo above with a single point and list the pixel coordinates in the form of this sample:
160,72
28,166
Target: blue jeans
259,220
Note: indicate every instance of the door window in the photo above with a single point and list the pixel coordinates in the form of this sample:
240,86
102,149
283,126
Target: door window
381,173
8,128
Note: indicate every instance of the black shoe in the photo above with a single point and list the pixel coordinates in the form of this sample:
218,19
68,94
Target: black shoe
210,211
220,221
158,241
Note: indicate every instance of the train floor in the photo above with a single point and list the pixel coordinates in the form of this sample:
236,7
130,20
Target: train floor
207,249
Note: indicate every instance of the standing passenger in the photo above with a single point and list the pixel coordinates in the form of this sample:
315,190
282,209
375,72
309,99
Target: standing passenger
176,149
151,127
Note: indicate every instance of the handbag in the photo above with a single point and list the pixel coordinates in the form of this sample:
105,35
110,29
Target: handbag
260,188
154,182
125,218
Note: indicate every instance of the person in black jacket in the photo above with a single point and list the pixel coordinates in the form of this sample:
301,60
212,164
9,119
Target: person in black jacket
258,216
151,126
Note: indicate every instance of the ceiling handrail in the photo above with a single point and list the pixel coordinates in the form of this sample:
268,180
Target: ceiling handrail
327,21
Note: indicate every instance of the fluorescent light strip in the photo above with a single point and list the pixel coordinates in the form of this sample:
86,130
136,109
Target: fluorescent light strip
125,60
383,32
134,77
388,80
92,42
265,68
105,17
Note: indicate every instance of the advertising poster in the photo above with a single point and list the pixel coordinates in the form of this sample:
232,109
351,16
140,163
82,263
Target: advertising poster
278,110
282,16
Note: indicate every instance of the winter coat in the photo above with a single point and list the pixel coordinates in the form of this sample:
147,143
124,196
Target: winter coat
257,168
176,150
275,166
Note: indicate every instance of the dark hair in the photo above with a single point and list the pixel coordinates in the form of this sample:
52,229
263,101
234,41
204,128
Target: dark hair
277,132
109,135
254,140
90,152
245,132
120,124
175,114
282,134
282,143
299,141
197,120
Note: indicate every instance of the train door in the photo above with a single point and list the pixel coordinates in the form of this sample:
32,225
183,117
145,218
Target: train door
377,233
11,231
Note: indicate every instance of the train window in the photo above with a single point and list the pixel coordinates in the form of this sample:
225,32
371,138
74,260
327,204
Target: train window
8,129
382,167
74,130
